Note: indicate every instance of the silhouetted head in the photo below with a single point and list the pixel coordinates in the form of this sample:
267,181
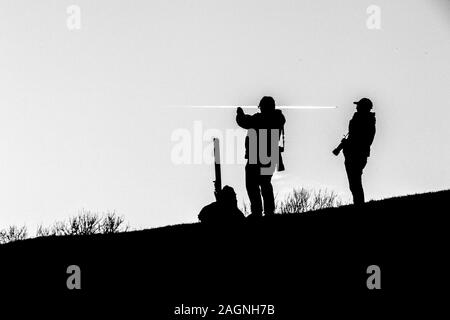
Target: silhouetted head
363,105
267,104
228,196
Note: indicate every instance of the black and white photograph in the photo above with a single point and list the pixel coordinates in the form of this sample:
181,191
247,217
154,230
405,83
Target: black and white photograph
224,159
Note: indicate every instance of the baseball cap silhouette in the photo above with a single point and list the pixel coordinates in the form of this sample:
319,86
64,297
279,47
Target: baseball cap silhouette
364,102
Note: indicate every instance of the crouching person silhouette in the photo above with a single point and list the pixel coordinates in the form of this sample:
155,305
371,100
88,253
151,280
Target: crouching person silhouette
356,149
224,210
263,154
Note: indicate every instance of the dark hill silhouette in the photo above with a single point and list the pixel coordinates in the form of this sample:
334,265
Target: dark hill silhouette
314,261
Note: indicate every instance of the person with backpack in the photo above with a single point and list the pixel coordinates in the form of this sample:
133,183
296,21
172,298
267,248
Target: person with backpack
224,211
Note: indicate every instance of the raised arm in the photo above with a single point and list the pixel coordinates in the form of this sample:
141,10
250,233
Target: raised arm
243,120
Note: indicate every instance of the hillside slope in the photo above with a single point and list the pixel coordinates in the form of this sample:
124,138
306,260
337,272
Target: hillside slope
297,262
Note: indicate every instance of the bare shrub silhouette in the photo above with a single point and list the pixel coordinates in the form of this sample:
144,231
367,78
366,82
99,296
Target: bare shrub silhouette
43,231
60,228
111,223
13,233
85,223
303,200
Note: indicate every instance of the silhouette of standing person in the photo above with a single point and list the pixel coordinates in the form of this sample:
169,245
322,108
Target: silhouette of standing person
361,132
262,153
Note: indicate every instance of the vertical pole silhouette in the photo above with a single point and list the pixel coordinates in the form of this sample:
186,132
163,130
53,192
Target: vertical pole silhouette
218,181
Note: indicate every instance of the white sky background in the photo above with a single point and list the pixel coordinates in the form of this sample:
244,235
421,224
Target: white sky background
86,122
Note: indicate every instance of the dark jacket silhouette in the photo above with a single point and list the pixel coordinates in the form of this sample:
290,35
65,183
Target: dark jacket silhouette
361,133
262,153
224,210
